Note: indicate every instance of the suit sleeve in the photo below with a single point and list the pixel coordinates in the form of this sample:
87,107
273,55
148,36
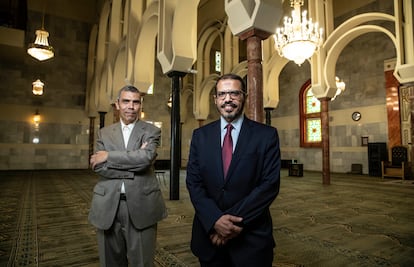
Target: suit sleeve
124,163
267,187
206,208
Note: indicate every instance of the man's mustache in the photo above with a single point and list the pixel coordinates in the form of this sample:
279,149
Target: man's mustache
229,104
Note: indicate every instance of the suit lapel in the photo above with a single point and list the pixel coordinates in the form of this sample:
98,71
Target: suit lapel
245,136
212,145
242,142
117,137
216,147
135,135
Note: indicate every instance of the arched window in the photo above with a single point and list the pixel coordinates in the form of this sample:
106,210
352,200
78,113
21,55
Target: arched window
217,58
310,118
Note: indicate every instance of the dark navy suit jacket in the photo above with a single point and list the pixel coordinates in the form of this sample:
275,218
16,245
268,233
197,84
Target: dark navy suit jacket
251,185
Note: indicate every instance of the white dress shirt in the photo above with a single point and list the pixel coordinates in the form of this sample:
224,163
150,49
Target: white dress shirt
126,132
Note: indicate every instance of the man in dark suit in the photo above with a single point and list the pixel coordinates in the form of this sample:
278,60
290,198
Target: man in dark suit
232,224
127,202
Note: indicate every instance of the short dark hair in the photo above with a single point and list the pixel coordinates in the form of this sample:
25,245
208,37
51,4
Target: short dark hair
128,88
231,76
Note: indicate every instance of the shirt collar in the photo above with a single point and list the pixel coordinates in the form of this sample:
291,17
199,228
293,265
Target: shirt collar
130,126
236,123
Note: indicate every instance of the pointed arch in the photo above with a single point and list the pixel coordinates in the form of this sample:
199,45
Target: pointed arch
101,81
186,93
119,70
144,60
90,106
205,81
338,46
271,85
339,39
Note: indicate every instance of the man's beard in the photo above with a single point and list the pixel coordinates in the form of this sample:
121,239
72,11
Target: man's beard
231,116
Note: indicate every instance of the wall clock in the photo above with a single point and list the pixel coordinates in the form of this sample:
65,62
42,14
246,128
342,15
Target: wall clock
356,116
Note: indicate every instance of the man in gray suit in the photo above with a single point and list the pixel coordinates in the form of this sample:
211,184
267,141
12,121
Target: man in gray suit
127,202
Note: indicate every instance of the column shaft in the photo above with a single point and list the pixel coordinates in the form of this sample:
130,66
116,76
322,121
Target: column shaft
326,175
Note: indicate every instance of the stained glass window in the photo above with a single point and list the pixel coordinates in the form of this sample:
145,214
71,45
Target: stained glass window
311,125
312,103
313,130
218,61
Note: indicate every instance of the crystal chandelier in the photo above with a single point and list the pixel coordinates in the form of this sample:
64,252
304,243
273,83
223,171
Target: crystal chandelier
299,37
38,87
40,49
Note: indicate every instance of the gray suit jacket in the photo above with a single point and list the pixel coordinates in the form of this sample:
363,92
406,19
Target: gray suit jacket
134,167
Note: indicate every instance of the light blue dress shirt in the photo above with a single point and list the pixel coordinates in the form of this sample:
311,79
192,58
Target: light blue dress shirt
236,129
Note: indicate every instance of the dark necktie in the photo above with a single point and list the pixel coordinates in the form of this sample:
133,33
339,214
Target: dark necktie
227,150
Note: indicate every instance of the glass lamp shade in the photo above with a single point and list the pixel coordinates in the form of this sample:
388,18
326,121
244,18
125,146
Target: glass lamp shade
299,51
40,49
36,117
38,87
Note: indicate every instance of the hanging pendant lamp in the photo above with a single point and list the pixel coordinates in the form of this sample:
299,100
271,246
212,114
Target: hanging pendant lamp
40,49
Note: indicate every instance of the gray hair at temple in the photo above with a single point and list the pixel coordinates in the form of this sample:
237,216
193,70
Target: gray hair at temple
128,88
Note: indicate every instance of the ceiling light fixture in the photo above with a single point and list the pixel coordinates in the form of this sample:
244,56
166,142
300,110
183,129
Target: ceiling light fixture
40,49
340,87
36,123
38,87
299,37
36,117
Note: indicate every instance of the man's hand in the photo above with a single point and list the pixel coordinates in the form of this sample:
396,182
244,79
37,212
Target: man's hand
226,228
218,240
144,145
98,157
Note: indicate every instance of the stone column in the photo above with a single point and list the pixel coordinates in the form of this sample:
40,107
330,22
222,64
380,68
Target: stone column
411,96
200,123
268,115
254,39
393,109
326,175
254,27
101,118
